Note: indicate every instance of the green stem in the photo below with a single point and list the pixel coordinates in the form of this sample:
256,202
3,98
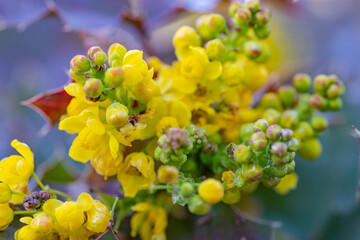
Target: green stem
24,212
120,216
159,187
18,193
113,207
60,193
39,181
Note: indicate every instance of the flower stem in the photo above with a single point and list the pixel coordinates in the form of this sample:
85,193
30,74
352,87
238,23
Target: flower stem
18,193
159,187
113,207
24,212
121,215
39,181
60,193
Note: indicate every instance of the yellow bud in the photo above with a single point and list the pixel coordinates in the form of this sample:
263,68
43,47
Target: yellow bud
310,149
215,49
117,115
116,52
186,36
42,224
93,87
98,217
6,216
5,193
211,190
254,75
114,77
168,174
232,196
228,177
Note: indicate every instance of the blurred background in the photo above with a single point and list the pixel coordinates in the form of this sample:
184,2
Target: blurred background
39,37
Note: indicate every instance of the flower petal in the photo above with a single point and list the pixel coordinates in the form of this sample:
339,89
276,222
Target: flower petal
23,149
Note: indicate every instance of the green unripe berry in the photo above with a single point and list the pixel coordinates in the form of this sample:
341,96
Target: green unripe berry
252,172
114,77
252,5
258,141
335,104
242,17
304,130
187,189
279,149
287,95
93,87
263,16
272,116
215,49
293,144
271,100
287,134
317,101
252,49
232,196
321,83
274,132
289,119
260,125
117,115
242,154
319,123
302,82
262,32
198,206
80,64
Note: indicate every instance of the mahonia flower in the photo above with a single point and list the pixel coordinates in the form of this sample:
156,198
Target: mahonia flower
211,190
288,183
39,227
6,216
136,173
5,193
17,169
149,221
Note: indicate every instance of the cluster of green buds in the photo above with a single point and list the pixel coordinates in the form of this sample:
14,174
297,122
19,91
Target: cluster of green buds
294,107
197,137
173,147
248,26
267,156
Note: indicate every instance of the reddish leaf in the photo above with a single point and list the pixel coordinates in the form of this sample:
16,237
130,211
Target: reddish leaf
51,105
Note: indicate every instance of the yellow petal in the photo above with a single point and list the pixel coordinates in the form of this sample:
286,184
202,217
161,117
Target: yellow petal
84,201
213,70
72,124
76,90
141,207
132,76
136,222
23,149
50,206
181,112
184,85
26,220
114,146
96,126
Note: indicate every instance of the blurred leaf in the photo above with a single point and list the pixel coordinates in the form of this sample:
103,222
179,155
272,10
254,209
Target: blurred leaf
51,105
357,135
59,173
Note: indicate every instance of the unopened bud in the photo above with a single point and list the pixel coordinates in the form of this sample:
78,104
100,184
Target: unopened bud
114,77
215,49
262,32
117,115
252,5
187,189
93,87
287,95
321,83
252,49
234,6
273,132
270,181
116,53
242,16
258,141
287,134
317,101
271,100
263,16
319,123
198,206
289,119
335,104
246,131
304,130
98,58
232,196
272,116
302,82
252,172
260,125
242,154
279,149
80,64
334,91
293,144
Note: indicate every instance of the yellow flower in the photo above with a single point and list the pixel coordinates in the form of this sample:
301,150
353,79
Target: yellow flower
17,169
69,216
211,190
149,221
167,174
228,177
27,233
287,183
136,173
5,193
184,38
39,227
98,217
6,216
104,163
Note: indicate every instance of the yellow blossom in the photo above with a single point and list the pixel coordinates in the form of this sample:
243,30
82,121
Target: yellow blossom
149,221
167,174
6,216
228,177
288,183
17,169
211,190
5,193
136,173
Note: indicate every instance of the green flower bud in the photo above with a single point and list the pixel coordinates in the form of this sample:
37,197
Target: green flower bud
260,125
252,49
157,153
258,141
273,132
117,115
252,172
116,54
232,196
279,160
304,130
334,90
262,32
265,54
93,50
263,16
321,83
177,160
269,181
335,104
249,187
289,119
287,134
77,77
279,149
198,206
290,167
5,193
287,95
272,116
234,6
114,77
80,64
271,100
246,131
333,78
317,101
242,17
187,189
319,123
293,144
98,58
302,82
278,171
93,87
252,5
215,49
210,25
243,154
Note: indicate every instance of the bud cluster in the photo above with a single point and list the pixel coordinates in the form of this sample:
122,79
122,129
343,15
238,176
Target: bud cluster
197,137
35,200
